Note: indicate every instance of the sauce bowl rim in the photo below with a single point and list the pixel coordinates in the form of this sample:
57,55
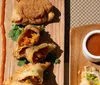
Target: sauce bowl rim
88,35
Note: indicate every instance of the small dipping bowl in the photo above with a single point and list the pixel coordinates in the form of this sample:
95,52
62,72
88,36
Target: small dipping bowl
89,55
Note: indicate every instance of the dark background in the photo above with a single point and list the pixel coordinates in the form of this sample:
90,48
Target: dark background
67,32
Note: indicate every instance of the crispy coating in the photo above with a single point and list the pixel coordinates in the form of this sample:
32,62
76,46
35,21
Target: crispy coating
28,71
19,52
30,36
38,53
32,12
11,82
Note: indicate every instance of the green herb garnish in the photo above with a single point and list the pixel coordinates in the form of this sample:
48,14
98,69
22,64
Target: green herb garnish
57,61
22,61
92,78
15,32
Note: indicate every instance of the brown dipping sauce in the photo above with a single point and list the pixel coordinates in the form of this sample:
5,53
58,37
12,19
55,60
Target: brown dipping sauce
93,44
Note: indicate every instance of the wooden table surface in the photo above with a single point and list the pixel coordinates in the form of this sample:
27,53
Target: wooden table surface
77,58
57,29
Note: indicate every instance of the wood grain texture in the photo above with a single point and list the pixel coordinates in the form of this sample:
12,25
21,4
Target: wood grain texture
0,40
0,36
54,33
77,59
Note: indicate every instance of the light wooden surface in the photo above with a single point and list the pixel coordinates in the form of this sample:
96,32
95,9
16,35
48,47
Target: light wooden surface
0,36
77,59
54,33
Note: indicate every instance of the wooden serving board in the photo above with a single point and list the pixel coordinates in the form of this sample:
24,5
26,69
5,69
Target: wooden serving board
77,59
54,33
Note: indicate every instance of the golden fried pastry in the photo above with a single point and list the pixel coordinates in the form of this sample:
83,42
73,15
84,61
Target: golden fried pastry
29,37
90,76
28,75
11,82
32,12
38,53
20,53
